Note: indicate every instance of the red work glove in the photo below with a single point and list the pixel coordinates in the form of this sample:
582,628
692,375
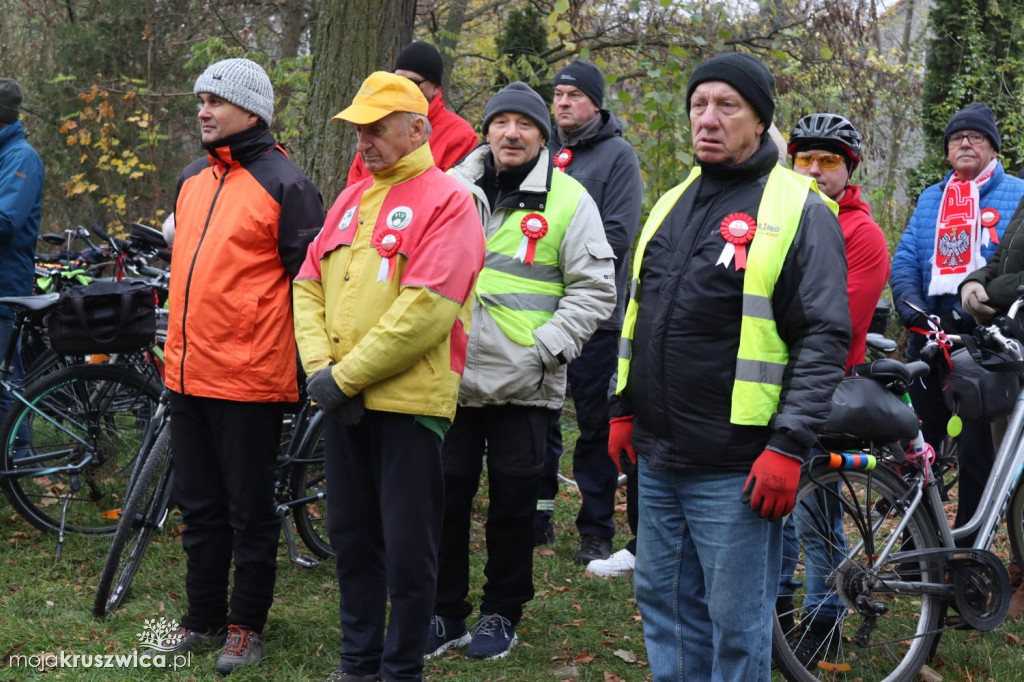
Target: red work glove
620,436
770,489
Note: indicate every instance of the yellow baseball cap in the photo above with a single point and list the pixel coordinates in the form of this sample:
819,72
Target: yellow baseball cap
384,93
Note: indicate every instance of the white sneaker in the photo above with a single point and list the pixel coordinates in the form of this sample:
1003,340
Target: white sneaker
619,564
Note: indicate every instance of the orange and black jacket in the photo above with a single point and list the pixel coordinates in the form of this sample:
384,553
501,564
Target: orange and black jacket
245,215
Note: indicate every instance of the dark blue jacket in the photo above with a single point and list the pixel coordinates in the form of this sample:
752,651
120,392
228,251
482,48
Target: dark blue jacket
21,201
911,264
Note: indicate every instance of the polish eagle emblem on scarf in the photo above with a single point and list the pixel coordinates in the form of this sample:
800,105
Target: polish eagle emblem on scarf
953,248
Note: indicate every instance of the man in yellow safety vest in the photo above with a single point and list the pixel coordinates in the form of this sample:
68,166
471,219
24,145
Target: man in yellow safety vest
733,342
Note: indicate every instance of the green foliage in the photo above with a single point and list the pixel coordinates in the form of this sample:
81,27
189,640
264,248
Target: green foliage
521,46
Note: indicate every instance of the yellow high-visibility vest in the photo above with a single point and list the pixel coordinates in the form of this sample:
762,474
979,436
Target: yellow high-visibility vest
521,297
763,355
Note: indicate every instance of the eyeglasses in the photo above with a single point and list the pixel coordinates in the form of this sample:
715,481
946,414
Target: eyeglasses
972,138
418,82
826,161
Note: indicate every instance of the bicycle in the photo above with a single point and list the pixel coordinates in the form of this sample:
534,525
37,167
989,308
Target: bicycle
895,567
299,488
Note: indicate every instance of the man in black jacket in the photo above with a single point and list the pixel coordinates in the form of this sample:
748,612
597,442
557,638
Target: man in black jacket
733,342
588,145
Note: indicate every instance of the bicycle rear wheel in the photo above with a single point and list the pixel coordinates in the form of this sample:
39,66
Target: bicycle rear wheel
845,622
69,443
309,478
143,514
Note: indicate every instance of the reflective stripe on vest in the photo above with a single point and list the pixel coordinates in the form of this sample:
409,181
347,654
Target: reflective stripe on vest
522,297
762,357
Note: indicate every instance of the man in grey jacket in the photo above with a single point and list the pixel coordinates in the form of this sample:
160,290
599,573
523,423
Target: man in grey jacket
547,283
588,145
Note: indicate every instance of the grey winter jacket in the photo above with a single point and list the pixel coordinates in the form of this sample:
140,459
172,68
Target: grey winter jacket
498,370
607,166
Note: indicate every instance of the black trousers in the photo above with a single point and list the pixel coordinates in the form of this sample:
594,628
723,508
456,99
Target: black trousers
513,438
975,453
224,453
589,377
385,493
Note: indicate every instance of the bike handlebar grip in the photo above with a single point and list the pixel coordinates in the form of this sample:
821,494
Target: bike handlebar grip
852,460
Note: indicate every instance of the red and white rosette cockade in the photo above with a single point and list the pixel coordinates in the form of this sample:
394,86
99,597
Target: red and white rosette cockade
387,246
989,220
534,226
563,158
737,229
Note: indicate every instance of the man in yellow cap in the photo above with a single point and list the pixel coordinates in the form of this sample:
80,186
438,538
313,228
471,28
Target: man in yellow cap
377,319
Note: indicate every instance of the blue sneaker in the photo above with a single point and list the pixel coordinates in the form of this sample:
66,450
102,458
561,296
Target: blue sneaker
445,634
493,637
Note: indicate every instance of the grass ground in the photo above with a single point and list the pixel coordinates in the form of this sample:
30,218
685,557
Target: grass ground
577,628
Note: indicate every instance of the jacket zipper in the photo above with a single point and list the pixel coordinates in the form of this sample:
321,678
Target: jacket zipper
191,271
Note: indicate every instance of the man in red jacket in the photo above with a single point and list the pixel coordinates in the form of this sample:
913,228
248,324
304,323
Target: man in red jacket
451,136
827,147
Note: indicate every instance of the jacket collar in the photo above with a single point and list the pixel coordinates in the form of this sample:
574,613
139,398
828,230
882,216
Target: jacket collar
241,148
11,131
533,190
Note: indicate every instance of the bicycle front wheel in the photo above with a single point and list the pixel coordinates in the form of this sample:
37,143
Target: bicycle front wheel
143,514
69,443
845,622
309,479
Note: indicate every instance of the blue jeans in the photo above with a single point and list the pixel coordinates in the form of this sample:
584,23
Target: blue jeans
817,524
16,377
706,577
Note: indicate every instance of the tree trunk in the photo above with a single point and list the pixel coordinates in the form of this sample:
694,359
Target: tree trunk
354,38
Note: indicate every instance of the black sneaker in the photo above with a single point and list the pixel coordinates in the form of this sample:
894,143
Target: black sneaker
493,637
593,547
243,647
340,675
445,634
814,642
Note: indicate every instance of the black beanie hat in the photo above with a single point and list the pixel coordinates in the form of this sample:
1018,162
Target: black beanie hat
746,74
586,77
10,100
521,99
975,116
421,58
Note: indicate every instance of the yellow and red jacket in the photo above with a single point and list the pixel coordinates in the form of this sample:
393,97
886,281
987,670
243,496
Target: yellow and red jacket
245,216
380,291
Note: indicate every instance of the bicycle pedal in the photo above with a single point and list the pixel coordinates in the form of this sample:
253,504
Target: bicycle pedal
304,562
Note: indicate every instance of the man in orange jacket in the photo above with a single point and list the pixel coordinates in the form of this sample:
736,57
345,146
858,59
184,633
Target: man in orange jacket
451,136
244,216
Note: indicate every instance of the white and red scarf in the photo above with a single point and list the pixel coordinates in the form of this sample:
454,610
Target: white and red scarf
959,234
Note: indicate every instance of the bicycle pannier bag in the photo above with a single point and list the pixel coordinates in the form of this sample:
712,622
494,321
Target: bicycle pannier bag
863,408
103,317
985,389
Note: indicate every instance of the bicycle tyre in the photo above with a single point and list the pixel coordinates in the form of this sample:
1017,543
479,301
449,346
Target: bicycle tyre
78,412
898,643
309,477
143,514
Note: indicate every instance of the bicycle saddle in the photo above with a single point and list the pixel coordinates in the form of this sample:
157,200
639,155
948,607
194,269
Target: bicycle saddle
887,370
33,303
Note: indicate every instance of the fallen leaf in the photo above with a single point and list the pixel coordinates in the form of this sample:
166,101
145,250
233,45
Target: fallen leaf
627,656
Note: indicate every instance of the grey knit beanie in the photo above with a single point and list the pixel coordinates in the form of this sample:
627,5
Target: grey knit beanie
242,82
10,100
520,98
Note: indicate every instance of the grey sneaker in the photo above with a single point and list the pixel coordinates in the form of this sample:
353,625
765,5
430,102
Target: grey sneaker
185,640
243,647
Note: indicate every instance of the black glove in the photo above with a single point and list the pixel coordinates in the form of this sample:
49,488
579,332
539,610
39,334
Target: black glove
324,390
